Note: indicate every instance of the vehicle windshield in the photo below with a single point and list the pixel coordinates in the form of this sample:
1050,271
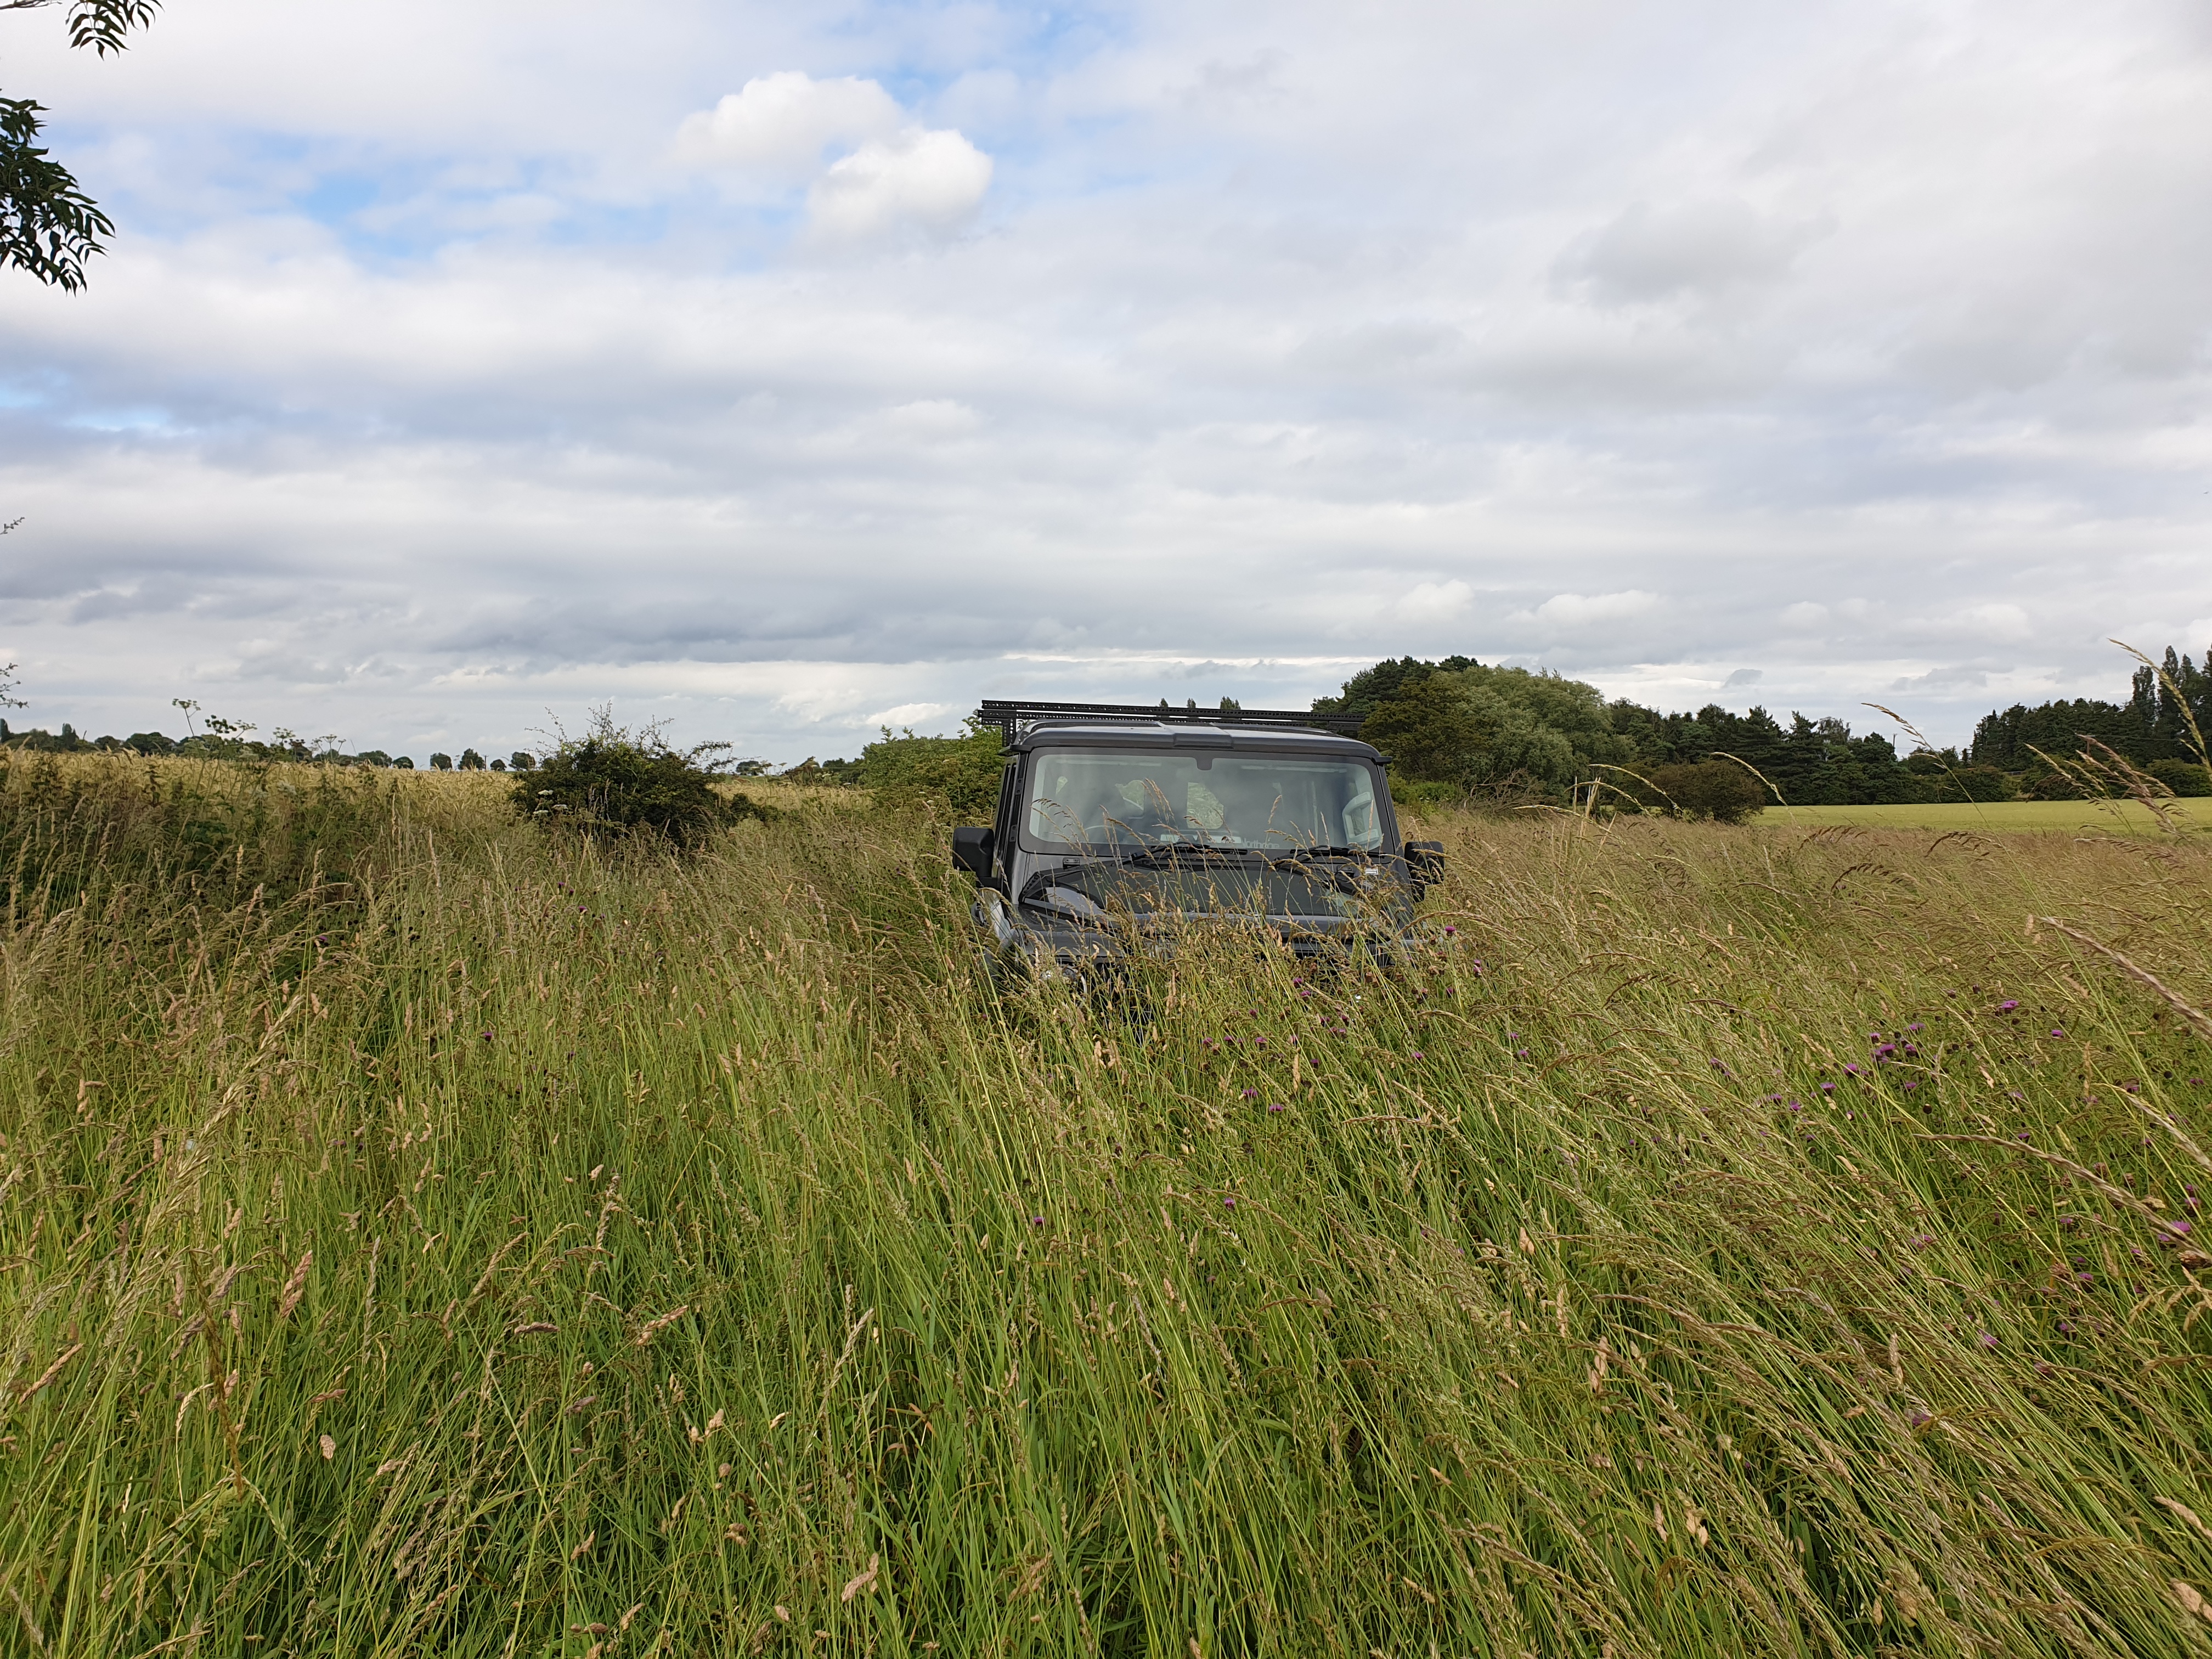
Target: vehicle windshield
1101,800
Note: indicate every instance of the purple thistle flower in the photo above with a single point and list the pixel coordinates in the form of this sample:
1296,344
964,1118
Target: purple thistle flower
1274,1105
1037,1220
2006,1008
1418,1055
1228,1203
1449,930
1989,1341
1827,1088
1251,1094
2056,1032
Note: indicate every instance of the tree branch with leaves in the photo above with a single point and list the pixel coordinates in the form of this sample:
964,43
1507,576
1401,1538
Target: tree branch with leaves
48,225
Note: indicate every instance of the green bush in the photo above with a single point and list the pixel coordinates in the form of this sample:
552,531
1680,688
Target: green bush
1415,793
613,782
2183,777
958,775
1979,783
1719,790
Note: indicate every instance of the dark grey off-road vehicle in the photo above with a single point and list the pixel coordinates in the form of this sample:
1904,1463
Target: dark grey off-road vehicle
1118,825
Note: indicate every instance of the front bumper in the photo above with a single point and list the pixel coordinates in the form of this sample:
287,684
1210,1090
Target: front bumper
1045,945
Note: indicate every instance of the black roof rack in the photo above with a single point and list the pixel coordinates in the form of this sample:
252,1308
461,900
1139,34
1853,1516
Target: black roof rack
1010,717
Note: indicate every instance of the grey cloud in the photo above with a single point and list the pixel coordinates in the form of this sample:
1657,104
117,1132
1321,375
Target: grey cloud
1703,247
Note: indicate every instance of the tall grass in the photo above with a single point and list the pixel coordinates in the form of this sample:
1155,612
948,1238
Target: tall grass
442,1239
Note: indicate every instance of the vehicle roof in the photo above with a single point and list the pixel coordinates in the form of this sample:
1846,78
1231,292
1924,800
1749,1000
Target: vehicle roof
1079,733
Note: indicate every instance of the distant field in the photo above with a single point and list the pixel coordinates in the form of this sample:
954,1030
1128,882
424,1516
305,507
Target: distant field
2070,816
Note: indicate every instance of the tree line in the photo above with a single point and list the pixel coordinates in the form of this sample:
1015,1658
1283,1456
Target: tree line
1457,728
231,740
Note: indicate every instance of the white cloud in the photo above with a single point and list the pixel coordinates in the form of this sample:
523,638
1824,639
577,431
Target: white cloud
781,123
894,172
1805,614
1574,611
1955,677
932,180
1434,602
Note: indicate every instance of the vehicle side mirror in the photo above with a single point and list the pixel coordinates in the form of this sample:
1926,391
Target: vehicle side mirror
1425,858
971,851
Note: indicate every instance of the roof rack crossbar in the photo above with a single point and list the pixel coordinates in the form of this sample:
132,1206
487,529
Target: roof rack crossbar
1010,717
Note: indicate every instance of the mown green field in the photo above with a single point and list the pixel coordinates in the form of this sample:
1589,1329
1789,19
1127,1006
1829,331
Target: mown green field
2072,817
416,1235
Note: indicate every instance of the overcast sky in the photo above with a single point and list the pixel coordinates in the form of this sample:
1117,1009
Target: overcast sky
786,370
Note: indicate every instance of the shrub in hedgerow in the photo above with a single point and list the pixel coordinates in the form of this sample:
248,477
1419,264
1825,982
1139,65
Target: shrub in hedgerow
613,782
522,760
959,776
1715,789
2183,777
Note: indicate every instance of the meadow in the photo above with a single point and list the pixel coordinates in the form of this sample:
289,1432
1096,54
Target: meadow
418,1233
2070,818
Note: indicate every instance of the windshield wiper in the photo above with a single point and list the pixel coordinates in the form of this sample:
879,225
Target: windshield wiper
1173,853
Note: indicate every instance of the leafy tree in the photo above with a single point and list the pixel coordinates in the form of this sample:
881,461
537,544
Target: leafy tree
48,225
613,782
522,760
1430,731
1369,687
497,764
441,762
472,760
